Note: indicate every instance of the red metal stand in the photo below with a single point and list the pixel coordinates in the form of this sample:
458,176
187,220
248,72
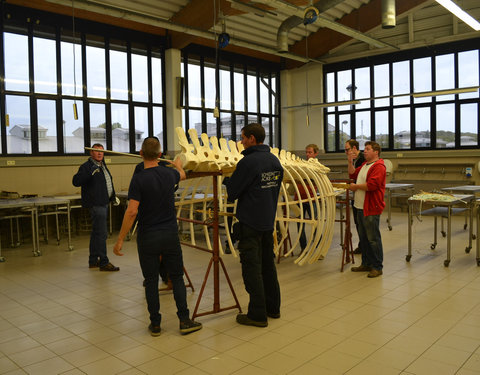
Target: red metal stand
216,260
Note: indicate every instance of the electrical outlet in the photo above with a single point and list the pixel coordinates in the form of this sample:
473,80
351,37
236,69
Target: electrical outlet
10,162
399,155
108,161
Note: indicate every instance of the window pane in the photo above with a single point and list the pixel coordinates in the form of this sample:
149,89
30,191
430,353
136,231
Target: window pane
195,121
345,88
275,127
445,75
141,126
331,133
157,80
401,82
225,97
45,66
194,94
445,125
96,76
68,78
120,126
239,103
252,93
139,78
381,84
345,133
468,124
73,137
330,87
211,125
118,75
158,123
264,96
225,126
362,84
468,74
266,125
401,128
422,127
19,137
381,128
98,124
422,78
16,62
209,87
363,128
47,125
273,95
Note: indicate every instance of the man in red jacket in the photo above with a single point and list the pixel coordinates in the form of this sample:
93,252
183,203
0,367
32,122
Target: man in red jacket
369,202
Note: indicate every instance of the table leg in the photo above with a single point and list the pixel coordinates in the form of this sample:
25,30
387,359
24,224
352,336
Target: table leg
70,247
470,230
389,211
409,254
478,234
449,235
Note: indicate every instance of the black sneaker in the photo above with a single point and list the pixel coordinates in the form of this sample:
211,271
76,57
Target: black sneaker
189,326
154,330
273,315
246,321
109,267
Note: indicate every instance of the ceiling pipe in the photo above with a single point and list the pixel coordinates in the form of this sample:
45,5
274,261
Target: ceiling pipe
294,21
133,15
388,14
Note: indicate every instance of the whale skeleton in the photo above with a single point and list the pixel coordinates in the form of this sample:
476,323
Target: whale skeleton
308,176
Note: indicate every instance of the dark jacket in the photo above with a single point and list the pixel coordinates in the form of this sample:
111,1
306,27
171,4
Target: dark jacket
256,184
94,187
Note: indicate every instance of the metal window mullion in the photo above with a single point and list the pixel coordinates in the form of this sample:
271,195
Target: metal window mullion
149,94
86,112
33,102
233,127
58,101
202,94
3,127
164,112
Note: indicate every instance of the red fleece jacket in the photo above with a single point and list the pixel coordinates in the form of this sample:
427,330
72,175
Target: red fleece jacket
375,195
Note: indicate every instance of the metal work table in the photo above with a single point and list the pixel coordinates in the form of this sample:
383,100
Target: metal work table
406,190
444,209
463,189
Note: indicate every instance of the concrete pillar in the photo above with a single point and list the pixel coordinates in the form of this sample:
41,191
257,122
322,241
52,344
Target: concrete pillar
173,61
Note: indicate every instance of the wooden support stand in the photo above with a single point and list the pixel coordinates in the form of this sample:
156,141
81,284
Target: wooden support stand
215,260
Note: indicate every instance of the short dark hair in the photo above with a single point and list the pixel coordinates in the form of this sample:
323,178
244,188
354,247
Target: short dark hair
375,146
353,143
256,130
97,145
151,148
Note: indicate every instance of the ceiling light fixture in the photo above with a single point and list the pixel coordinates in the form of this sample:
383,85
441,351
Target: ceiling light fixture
332,104
445,92
460,13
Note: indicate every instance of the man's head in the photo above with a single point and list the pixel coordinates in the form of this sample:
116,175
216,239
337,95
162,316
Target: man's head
371,151
352,146
252,134
311,150
97,155
150,148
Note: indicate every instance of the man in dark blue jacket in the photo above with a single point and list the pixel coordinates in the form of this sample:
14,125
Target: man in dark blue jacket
97,191
256,184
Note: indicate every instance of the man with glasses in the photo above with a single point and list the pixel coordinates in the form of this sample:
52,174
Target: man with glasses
356,158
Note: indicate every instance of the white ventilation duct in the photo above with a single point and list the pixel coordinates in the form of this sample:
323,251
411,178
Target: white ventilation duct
388,14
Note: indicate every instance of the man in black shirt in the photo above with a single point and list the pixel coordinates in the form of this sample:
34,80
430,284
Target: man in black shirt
256,184
151,195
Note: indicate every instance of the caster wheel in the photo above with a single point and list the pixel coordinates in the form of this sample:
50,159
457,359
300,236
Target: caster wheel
478,262
446,263
2,259
465,226
408,257
467,249
58,243
444,234
433,246
70,247
474,237
389,227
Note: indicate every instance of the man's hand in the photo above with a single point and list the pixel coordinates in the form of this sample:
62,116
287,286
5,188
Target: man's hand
353,187
117,249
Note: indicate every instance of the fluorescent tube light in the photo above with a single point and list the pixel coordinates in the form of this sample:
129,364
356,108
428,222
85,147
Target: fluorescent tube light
445,92
460,13
332,104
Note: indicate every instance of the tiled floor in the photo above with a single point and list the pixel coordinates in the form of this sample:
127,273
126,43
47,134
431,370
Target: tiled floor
58,316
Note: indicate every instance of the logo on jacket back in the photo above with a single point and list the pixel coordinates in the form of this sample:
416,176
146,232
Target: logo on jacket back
270,179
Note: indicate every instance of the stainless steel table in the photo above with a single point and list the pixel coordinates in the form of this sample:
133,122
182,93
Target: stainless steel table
395,190
463,189
446,209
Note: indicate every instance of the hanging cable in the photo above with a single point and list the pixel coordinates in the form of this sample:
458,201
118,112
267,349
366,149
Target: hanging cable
306,76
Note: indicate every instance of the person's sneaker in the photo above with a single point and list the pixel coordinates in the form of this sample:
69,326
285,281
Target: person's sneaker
109,267
361,268
273,315
374,273
189,326
357,251
154,330
94,265
246,321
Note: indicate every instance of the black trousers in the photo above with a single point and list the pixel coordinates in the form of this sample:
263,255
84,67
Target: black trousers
259,272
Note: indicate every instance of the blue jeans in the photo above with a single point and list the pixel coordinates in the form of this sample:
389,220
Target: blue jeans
259,272
151,246
98,237
307,214
370,240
